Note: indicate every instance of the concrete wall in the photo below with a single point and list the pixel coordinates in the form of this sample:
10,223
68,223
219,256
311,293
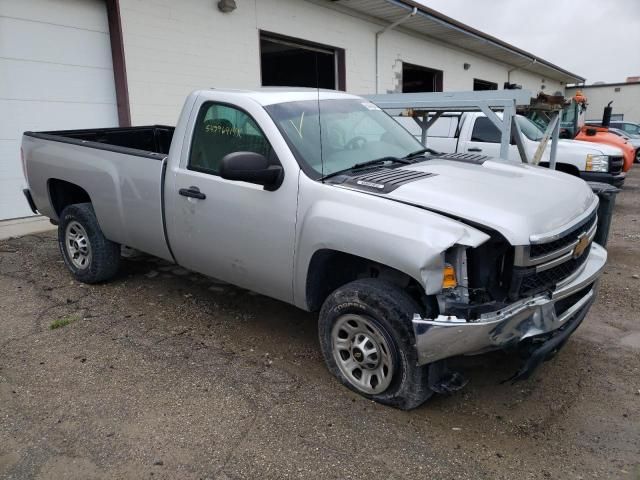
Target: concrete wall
172,48
626,101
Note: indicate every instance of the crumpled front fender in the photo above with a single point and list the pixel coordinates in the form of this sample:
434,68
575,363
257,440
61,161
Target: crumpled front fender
407,238
448,336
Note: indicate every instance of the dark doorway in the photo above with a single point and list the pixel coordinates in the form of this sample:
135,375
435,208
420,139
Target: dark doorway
290,62
420,79
484,85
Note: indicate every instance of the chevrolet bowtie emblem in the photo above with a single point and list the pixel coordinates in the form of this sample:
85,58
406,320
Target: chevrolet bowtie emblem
583,243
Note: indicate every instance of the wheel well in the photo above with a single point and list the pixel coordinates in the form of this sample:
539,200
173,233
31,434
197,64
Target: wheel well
330,269
63,194
564,167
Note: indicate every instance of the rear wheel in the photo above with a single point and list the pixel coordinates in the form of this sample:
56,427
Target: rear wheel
637,159
367,342
88,254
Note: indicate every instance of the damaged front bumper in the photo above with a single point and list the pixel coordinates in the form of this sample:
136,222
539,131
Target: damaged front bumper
449,336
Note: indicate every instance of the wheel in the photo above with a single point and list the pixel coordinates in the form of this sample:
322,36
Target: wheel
89,256
367,341
637,159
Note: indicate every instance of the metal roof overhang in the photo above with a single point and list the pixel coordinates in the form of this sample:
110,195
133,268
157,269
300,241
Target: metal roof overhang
433,24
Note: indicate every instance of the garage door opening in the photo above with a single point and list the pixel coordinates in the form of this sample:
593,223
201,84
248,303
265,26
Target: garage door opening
420,79
290,62
484,85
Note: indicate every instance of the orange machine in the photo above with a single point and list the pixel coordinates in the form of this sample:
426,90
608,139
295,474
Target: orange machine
572,126
603,135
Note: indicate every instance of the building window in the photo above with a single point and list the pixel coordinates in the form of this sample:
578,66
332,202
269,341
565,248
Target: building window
420,79
484,85
290,62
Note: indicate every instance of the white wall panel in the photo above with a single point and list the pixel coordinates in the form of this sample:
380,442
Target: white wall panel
172,48
626,101
55,73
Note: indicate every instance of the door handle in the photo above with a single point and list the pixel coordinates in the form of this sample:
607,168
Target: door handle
193,192
474,149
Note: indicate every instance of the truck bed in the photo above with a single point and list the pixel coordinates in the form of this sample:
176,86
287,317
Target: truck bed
121,170
152,141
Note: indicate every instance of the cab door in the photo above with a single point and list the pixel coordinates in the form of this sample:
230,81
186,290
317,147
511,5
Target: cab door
485,140
232,230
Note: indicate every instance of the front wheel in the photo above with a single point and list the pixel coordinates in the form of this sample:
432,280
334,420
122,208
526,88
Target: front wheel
88,254
367,342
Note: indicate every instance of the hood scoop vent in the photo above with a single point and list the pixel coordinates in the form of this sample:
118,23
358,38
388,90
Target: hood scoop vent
385,180
465,157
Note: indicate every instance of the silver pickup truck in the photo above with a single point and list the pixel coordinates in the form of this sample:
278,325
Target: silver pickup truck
322,200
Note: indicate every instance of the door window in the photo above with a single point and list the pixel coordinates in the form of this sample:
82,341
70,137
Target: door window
220,130
485,131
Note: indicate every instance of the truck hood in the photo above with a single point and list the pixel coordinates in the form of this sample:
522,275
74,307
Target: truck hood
516,200
580,146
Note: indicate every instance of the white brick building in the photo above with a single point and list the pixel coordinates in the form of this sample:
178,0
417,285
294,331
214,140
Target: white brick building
625,98
89,63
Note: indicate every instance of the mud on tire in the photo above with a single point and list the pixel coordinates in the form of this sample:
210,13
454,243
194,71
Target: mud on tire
387,312
89,256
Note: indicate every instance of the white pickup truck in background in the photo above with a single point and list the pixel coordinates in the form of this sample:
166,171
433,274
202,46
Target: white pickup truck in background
473,132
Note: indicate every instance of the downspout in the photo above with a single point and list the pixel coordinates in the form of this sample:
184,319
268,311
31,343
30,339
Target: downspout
379,33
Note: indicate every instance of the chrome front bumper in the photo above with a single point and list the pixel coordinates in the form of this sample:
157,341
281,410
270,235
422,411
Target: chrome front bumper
448,336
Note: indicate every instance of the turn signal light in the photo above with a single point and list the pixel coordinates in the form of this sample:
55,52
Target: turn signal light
449,277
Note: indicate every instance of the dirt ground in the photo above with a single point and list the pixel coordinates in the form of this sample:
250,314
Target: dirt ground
167,374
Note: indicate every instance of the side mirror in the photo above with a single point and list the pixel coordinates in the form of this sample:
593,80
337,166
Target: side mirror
251,167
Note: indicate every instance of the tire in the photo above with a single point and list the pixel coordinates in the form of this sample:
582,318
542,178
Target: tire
89,256
381,313
637,157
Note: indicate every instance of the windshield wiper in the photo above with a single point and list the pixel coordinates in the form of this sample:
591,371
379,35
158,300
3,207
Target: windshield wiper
369,163
420,153
407,159
381,160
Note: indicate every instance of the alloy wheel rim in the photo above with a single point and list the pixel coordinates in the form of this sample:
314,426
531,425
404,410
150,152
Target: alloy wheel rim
76,242
363,353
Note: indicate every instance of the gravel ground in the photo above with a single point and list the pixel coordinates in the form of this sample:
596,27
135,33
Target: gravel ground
166,374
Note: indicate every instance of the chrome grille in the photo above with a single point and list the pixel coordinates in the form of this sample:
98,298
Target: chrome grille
541,266
526,282
541,249
615,165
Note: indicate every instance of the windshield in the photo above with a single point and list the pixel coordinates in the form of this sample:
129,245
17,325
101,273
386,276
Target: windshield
632,128
568,120
353,131
529,129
